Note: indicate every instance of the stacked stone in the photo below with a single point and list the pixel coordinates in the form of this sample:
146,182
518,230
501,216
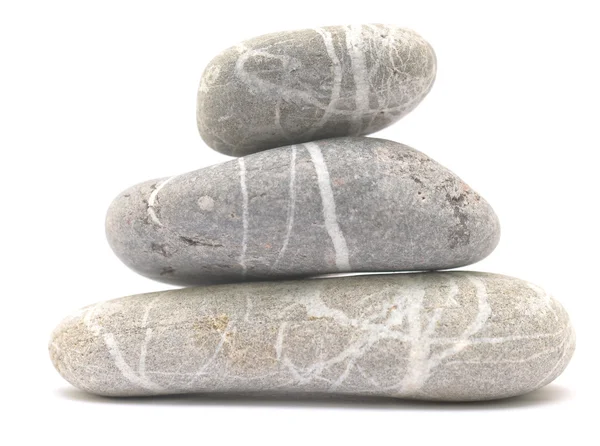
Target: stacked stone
309,196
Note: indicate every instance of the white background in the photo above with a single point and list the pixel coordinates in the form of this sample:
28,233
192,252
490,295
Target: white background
97,96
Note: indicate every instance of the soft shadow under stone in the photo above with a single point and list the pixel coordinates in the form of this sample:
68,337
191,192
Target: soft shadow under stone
552,394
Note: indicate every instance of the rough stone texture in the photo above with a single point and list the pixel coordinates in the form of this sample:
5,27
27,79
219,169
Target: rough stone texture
298,86
453,336
338,205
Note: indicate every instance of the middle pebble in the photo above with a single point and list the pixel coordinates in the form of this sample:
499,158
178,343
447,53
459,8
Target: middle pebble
338,205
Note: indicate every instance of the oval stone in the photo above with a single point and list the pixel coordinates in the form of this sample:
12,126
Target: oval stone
337,205
298,86
453,336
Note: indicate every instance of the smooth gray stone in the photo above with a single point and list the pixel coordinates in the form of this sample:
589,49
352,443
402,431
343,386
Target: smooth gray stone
337,205
298,86
455,336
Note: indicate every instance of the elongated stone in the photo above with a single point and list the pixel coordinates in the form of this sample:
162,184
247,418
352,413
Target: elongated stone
298,86
453,336
339,205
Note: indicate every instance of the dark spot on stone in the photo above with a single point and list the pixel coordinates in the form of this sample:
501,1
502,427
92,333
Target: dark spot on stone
196,242
457,201
416,179
126,195
167,270
232,215
160,249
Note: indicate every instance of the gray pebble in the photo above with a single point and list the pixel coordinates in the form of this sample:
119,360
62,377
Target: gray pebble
337,205
298,86
454,336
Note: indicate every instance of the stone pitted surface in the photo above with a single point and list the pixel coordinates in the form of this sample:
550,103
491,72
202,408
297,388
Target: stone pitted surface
298,86
440,336
338,205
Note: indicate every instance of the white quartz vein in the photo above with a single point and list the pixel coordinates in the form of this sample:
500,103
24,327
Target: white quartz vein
354,42
368,377
421,361
152,200
291,209
269,88
284,92
418,364
117,356
545,298
278,124
369,333
502,339
331,223
567,346
202,370
244,215
529,358
279,341
143,353
337,78
149,331
484,311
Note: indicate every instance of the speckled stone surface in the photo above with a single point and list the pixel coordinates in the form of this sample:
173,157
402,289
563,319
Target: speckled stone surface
298,86
337,205
455,336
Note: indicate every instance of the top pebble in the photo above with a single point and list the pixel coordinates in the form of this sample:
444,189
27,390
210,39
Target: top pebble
298,86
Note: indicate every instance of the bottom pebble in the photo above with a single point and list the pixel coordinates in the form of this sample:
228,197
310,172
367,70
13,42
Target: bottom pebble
451,336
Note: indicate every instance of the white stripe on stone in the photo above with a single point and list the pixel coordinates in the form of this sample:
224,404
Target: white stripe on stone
244,215
354,41
115,353
152,200
291,209
337,77
331,224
